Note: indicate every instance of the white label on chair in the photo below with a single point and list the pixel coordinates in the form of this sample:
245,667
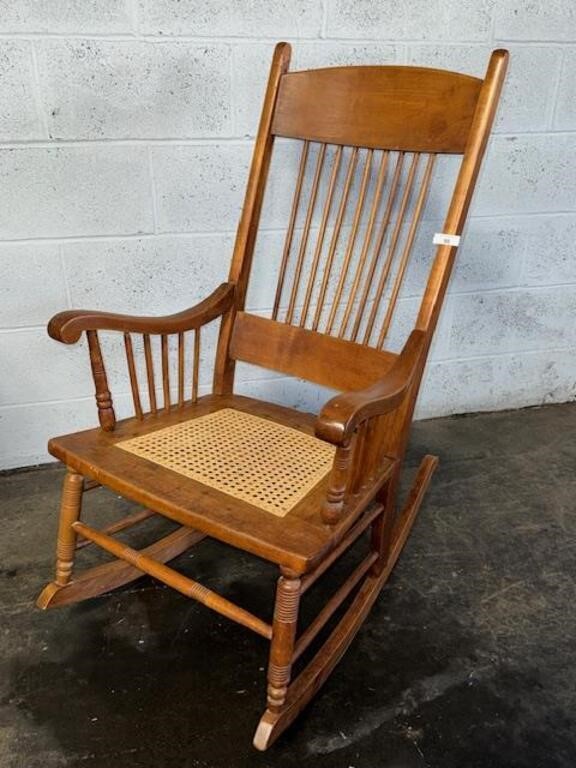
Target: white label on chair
440,238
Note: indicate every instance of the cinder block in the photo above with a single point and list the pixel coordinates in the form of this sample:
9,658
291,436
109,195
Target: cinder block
218,18
534,378
66,16
456,386
154,276
74,191
403,323
200,188
506,336
470,59
31,426
513,321
536,20
330,53
490,256
30,271
19,119
251,63
41,369
527,95
465,20
548,247
250,67
496,383
109,89
293,393
283,173
62,372
565,112
266,271
528,174
445,173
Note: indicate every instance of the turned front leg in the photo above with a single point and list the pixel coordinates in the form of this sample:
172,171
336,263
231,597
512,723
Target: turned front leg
283,638
69,513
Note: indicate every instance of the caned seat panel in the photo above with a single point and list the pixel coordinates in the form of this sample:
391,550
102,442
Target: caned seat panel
296,539
269,465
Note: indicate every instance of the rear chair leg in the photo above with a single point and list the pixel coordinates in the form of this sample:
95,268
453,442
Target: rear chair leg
283,637
383,526
70,507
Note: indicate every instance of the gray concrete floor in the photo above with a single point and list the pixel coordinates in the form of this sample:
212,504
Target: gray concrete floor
466,661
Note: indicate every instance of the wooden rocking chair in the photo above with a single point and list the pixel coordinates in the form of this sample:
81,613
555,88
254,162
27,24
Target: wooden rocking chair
283,485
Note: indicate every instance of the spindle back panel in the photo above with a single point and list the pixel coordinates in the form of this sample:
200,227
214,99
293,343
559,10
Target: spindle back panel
337,255
369,142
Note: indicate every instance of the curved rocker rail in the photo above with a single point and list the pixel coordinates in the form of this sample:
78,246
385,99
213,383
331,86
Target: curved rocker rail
103,578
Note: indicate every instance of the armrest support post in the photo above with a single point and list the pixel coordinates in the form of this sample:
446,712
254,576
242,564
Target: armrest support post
106,413
338,484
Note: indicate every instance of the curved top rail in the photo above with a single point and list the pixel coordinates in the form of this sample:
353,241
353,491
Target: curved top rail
412,109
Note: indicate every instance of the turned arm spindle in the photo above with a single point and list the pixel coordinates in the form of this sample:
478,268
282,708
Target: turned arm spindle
103,396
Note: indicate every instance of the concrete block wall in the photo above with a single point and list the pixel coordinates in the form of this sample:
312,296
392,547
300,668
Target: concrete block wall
125,136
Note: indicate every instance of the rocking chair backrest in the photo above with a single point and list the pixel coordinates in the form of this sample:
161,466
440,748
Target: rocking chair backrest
369,139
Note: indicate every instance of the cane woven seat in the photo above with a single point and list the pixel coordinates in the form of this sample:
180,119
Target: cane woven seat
269,465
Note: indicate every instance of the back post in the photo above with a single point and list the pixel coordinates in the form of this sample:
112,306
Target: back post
396,426
248,227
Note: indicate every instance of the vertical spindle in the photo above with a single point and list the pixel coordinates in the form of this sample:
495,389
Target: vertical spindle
133,377
150,372
196,365
180,370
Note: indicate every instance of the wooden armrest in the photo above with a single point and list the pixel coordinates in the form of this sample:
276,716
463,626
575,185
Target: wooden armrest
340,416
68,326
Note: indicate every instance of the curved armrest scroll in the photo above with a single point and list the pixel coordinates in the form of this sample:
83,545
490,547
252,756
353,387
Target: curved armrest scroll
341,415
68,326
